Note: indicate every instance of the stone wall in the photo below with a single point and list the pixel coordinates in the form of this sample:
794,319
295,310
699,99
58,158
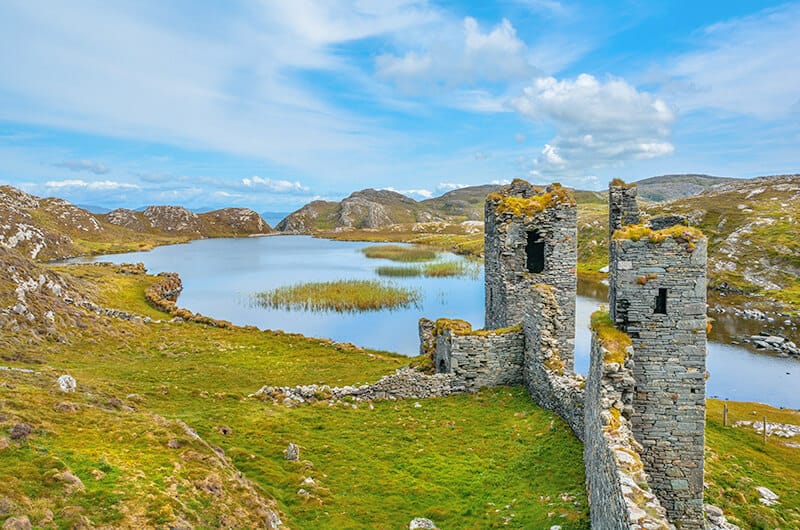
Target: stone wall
622,207
511,214
670,352
405,383
551,383
616,482
481,358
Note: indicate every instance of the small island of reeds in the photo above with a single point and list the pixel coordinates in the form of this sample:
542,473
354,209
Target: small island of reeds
344,296
443,269
401,253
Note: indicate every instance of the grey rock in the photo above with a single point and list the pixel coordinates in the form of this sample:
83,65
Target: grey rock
20,431
20,522
421,523
67,383
292,452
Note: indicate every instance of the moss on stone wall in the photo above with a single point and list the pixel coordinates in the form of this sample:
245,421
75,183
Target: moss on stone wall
684,234
462,327
616,342
553,195
622,184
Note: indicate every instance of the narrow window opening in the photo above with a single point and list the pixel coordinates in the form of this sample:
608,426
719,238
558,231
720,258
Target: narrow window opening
442,367
534,251
661,302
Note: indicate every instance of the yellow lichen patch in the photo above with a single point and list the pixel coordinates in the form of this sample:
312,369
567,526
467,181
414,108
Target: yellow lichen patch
685,234
462,327
622,184
554,364
614,422
522,206
457,326
616,342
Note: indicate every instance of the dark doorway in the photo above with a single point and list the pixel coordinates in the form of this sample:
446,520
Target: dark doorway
441,367
534,251
661,302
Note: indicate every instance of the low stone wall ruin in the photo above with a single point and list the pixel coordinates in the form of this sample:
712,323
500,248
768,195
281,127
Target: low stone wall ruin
405,383
479,358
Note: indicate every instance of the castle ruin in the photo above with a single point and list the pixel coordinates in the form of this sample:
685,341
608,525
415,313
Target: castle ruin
640,411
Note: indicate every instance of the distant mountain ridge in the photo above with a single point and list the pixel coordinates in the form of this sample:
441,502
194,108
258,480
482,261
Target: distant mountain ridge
49,228
373,209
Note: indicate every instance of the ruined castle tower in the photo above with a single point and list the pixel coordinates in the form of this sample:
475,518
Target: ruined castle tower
622,207
657,295
531,239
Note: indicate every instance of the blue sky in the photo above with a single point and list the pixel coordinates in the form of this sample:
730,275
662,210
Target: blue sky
270,104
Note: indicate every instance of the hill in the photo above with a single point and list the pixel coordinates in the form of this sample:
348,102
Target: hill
47,229
670,187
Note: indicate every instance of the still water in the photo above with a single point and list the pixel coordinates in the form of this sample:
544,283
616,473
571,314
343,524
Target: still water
220,275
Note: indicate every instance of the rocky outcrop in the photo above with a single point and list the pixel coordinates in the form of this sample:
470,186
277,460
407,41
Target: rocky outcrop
129,219
21,230
238,221
172,219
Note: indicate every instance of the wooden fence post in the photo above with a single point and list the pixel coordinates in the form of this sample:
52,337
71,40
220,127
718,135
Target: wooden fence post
725,415
765,430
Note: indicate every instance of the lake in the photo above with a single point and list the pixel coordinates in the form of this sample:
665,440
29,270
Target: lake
220,276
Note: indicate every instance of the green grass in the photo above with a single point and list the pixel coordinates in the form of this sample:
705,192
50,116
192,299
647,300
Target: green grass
442,269
399,253
394,271
459,460
340,296
446,269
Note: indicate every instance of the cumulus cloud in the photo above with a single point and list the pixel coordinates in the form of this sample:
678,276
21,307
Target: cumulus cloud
275,185
90,185
597,123
466,57
89,166
501,182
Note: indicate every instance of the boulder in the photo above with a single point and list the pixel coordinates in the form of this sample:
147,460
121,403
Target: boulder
20,522
20,431
292,452
67,383
420,523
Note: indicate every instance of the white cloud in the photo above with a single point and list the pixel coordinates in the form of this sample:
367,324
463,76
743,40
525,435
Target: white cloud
519,138
449,186
501,182
90,185
597,123
89,166
274,185
421,192
453,58
748,65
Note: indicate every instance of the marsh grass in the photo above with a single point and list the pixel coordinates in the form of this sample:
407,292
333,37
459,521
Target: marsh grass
443,269
406,254
446,269
341,296
393,271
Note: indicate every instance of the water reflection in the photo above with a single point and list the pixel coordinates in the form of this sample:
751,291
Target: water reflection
220,275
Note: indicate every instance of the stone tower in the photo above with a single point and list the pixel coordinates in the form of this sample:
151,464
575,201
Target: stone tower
657,294
531,239
622,207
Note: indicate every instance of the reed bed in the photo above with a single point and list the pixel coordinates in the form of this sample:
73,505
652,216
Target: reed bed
398,272
343,296
400,253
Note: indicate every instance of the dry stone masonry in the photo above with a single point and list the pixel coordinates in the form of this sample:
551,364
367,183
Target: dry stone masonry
641,411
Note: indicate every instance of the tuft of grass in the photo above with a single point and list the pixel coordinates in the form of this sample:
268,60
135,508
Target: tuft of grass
612,339
399,253
340,296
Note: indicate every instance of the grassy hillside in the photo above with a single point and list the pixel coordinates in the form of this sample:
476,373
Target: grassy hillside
465,461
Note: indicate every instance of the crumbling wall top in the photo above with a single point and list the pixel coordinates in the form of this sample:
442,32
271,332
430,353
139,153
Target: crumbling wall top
523,199
680,233
462,327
